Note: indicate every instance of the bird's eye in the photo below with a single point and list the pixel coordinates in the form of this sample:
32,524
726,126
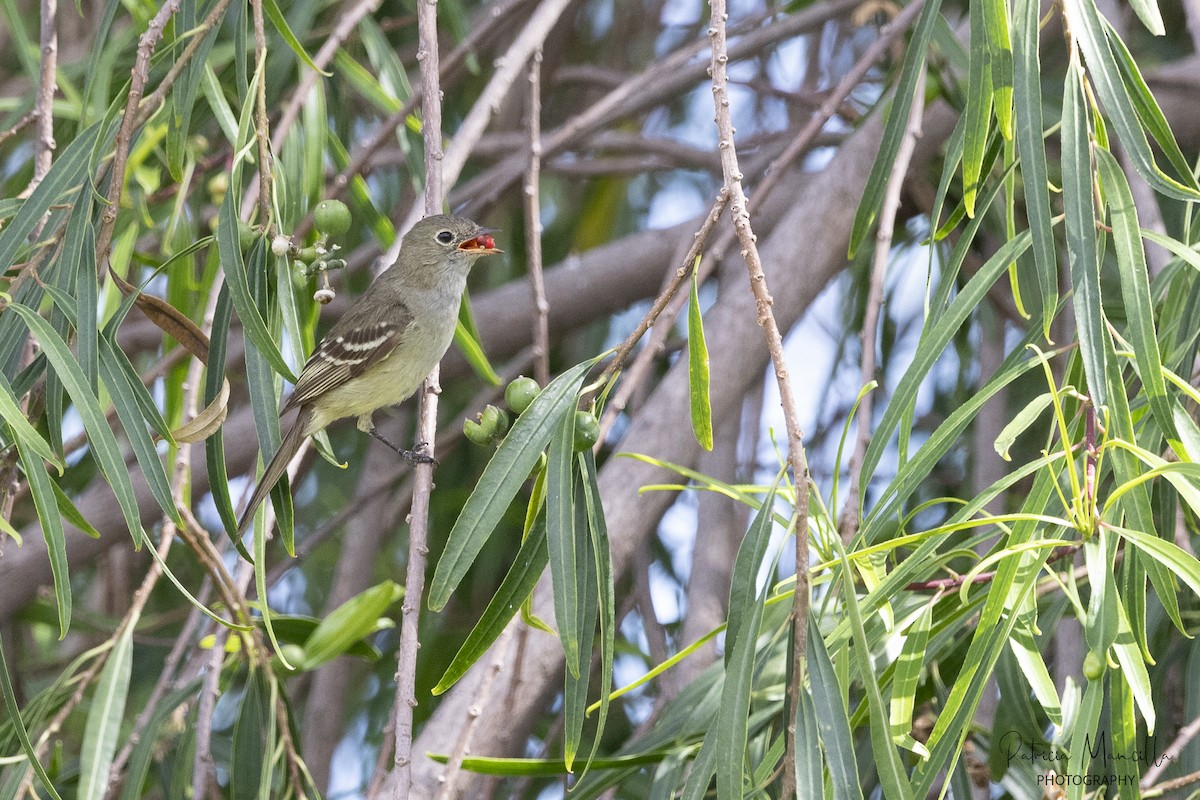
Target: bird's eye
445,237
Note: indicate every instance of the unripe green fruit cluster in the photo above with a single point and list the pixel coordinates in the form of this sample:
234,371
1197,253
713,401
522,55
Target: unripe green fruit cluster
490,428
331,217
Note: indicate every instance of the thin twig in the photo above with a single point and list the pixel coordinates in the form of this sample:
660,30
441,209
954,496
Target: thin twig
533,225
531,37
418,527
1169,756
21,124
347,22
116,172
462,746
848,523
43,143
262,124
152,101
766,319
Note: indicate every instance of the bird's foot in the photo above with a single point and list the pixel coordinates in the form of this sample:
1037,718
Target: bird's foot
418,455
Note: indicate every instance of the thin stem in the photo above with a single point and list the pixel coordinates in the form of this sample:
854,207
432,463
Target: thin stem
43,143
848,524
137,85
533,224
740,212
262,125
418,528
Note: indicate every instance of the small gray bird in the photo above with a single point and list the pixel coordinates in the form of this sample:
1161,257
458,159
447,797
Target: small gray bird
387,343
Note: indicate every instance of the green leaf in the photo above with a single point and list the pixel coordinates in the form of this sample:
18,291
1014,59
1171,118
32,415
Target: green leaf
602,555
238,280
698,388
978,113
1000,62
1021,422
148,740
103,728
1089,33
575,688
741,638
473,352
833,721
1081,235
281,25
892,775
50,521
1135,290
518,584
22,431
1031,146
104,444
349,622
251,756
68,170
563,539
14,714
905,679
504,475
810,772
893,134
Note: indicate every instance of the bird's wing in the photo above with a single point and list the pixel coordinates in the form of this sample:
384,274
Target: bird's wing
346,352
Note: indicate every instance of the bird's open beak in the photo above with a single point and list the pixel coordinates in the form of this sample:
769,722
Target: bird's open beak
483,244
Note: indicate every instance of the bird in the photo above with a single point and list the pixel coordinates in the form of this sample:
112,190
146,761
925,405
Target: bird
386,344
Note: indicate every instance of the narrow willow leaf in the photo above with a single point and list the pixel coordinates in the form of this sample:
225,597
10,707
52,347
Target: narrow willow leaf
67,171
933,343
1101,624
220,108
148,740
1000,62
704,766
810,772
1027,79
349,622
258,337
602,555
22,431
103,728
50,522
1081,235
1124,739
1135,289
122,394
892,775
1020,423
743,582
504,475
1083,733
575,688
906,86
518,584
1033,668
562,538
741,641
698,388
1169,554
1133,669
469,346
979,107
833,721
905,678
14,714
104,444
281,25
1088,30
251,748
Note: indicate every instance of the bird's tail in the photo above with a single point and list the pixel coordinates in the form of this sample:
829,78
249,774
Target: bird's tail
279,464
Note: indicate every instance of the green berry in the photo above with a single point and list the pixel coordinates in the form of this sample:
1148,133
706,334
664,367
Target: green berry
246,235
494,421
331,217
587,430
520,393
294,654
475,433
1094,666
307,255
